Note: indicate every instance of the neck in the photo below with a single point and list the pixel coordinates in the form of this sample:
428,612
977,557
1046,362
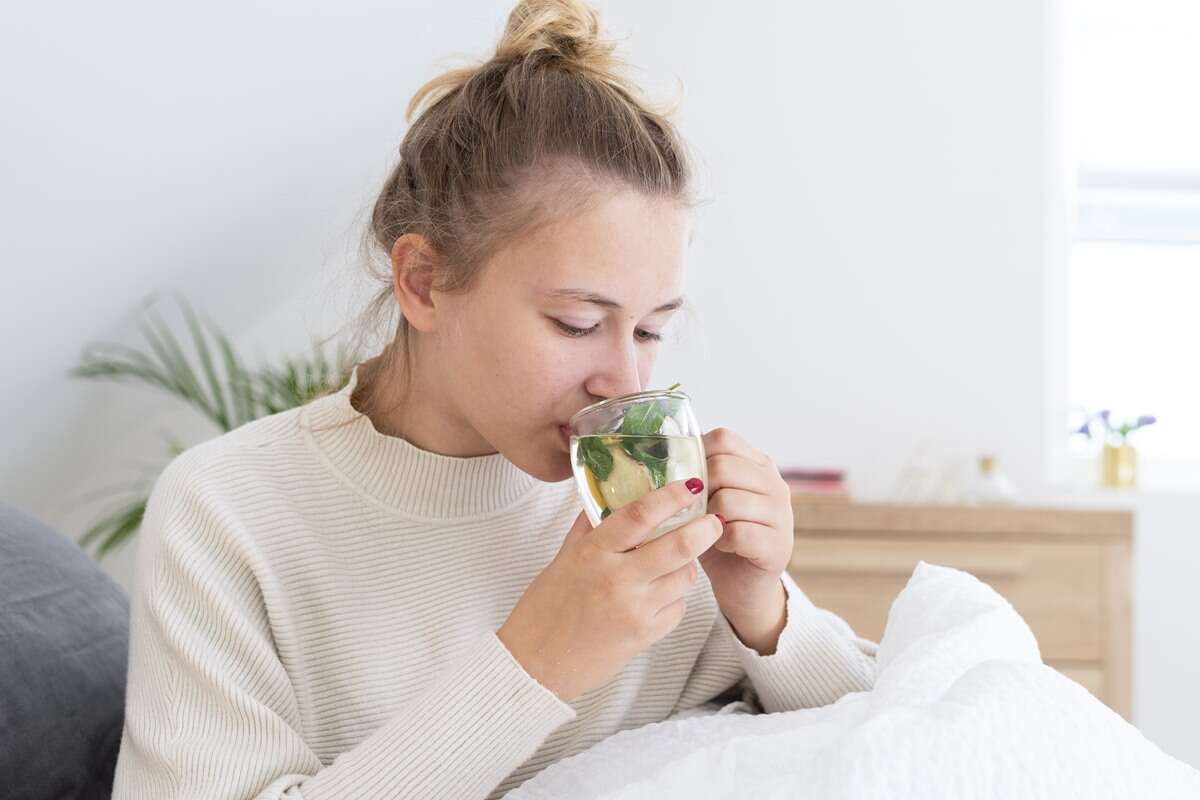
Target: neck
415,407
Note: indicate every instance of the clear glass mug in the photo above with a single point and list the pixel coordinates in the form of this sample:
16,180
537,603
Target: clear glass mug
625,447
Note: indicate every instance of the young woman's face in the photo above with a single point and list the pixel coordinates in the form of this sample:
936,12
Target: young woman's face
566,316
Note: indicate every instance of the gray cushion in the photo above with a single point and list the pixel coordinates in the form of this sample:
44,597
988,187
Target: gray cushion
64,638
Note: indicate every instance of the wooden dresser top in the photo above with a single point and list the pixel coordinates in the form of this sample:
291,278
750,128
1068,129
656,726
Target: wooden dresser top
1016,522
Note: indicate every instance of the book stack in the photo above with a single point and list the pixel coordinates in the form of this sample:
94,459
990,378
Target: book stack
817,485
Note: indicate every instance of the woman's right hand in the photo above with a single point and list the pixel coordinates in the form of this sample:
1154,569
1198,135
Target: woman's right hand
605,597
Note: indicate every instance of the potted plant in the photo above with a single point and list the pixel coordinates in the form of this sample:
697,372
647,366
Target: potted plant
215,383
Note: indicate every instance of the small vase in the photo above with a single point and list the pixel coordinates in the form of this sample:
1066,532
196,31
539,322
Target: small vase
1118,466
990,485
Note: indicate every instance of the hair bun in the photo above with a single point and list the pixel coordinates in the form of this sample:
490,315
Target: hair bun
564,29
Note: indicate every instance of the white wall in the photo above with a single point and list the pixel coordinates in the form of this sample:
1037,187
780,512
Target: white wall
873,270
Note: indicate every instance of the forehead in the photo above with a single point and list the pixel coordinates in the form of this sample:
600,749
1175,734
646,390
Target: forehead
623,245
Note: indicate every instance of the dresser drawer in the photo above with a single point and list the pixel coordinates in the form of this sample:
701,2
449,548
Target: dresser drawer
1058,588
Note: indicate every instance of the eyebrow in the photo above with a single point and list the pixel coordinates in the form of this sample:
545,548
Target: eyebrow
600,300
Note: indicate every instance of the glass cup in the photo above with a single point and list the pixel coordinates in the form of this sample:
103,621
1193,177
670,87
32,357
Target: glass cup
624,447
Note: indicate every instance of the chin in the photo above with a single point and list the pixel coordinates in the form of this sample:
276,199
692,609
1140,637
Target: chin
563,468
559,469
553,468
549,467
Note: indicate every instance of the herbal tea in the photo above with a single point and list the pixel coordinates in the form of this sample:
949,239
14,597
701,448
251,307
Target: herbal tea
619,468
625,447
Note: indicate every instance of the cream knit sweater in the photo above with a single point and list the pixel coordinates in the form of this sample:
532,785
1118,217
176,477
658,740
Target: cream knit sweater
315,615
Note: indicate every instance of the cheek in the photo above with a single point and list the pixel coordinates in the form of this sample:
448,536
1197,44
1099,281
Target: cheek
528,370
550,370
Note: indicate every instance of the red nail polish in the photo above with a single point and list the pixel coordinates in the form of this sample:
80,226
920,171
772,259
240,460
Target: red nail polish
695,485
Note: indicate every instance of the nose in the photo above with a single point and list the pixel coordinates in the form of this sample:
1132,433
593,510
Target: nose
621,376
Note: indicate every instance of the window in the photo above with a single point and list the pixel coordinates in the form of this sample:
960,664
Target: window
1133,78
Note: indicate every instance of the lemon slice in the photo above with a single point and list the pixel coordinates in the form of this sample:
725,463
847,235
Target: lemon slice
593,488
628,480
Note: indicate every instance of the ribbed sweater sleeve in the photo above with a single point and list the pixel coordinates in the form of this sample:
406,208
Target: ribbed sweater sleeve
818,659
211,712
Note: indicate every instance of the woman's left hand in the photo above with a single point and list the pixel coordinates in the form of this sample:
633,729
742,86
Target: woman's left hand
745,565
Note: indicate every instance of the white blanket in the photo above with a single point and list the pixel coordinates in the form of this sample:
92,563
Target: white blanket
962,707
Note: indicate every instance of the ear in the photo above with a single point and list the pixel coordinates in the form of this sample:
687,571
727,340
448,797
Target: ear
412,278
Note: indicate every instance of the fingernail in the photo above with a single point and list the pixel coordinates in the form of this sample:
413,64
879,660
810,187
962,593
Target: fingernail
723,522
695,485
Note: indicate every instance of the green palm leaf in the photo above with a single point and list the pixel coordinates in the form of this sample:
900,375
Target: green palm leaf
200,344
113,530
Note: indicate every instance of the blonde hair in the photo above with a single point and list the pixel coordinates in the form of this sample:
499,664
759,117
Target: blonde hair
495,149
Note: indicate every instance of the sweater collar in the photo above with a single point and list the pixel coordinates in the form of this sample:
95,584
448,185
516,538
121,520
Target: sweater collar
401,475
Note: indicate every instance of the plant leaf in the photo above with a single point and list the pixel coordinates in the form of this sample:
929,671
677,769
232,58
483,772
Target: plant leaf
650,451
128,525
176,367
200,344
643,419
117,362
241,390
115,528
596,457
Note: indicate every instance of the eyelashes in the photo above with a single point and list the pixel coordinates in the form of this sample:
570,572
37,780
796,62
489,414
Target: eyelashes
570,330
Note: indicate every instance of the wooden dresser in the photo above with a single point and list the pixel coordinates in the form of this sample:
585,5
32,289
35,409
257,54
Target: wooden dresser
1067,572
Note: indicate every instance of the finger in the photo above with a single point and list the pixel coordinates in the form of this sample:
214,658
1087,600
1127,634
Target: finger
666,589
672,550
740,505
749,540
735,472
630,525
669,617
578,529
721,441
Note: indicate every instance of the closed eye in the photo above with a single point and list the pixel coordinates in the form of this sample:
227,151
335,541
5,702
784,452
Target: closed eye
570,330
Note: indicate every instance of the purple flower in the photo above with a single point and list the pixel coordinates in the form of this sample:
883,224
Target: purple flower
1112,431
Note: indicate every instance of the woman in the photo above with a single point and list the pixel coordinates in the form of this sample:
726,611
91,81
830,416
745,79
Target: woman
372,595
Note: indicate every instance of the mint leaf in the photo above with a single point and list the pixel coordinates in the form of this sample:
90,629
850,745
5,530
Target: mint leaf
596,457
651,451
643,447
644,419
658,470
